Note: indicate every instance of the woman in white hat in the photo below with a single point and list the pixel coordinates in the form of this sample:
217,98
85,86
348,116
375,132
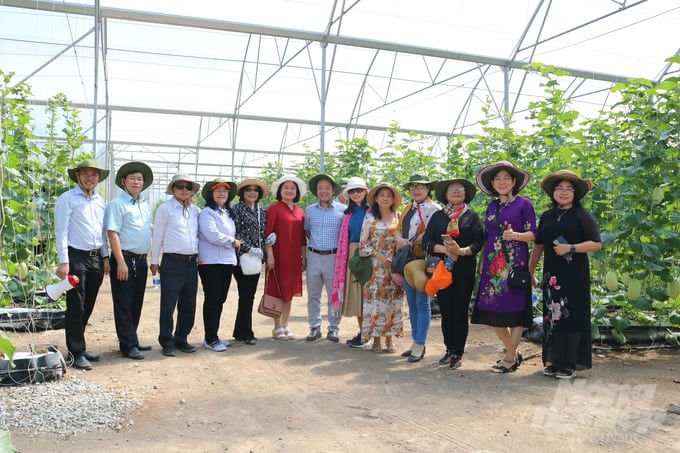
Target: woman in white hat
383,297
250,219
510,223
347,291
464,235
567,232
286,257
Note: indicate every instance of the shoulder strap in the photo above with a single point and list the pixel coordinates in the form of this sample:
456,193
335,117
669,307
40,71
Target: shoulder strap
504,246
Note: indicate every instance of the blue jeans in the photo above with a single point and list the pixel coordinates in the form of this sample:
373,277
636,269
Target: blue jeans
419,313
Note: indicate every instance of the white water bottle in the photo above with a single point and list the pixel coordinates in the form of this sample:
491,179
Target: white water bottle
56,290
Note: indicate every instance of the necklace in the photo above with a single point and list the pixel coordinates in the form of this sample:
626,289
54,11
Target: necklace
560,215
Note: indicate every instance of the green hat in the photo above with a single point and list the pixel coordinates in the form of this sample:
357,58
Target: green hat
315,180
134,167
418,179
442,186
208,187
361,267
87,163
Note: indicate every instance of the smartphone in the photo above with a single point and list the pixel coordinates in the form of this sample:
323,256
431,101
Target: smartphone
562,240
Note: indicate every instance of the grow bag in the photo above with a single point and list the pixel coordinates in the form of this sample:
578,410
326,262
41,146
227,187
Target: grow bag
43,365
634,334
31,319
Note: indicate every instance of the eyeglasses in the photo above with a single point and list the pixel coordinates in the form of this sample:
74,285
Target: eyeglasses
252,189
563,189
353,191
183,186
417,186
456,189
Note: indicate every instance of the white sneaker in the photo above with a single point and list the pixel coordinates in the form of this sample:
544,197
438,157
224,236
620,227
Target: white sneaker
216,346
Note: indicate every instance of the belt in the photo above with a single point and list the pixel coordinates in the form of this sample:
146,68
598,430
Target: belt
136,256
322,252
95,252
179,256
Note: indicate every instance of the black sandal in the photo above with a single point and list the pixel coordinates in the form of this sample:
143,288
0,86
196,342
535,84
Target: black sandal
502,369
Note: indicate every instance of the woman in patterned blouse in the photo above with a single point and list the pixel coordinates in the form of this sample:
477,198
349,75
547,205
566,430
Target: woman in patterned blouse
250,221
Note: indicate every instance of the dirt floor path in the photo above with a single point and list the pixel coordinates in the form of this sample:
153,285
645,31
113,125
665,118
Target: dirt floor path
327,397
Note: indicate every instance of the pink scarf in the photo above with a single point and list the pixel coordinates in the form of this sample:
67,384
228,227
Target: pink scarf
341,258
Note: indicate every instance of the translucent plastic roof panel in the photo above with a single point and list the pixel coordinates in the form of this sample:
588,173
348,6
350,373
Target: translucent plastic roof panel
224,87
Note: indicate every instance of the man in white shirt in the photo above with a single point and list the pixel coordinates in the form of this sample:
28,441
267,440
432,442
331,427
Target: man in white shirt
176,233
83,251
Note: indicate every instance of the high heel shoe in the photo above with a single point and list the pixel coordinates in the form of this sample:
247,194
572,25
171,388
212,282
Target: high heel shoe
417,353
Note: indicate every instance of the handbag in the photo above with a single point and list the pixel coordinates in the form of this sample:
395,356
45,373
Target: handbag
270,306
519,276
431,262
251,263
401,258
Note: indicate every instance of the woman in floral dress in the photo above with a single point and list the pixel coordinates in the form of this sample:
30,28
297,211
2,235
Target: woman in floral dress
566,233
383,297
509,219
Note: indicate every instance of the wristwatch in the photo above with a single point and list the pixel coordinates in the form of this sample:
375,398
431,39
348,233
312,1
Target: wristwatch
572,249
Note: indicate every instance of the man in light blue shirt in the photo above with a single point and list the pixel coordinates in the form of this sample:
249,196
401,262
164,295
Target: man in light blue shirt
128,225
322,226
83,251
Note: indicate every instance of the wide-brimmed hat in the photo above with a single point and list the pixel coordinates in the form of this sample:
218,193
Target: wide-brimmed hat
254,182
370,198
418,179
361,267
302,187
442,186
182,177
581,186
414,273
487,173
354,182
315,180
87,163
211,185
134,167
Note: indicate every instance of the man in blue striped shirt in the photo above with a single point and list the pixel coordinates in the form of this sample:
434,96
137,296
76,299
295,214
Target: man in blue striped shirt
322,226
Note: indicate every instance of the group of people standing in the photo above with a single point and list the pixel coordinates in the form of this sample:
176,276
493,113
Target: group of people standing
346,249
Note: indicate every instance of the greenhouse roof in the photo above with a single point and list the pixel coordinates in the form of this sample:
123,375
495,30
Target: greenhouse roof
221,88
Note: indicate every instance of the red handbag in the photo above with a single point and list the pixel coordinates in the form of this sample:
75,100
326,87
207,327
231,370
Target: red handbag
270,306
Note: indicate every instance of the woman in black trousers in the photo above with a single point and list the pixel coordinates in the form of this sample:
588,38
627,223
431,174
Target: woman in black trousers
250,221
455,234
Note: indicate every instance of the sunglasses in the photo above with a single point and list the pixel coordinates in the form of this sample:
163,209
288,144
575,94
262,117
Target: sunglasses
251,189
353,191
183,186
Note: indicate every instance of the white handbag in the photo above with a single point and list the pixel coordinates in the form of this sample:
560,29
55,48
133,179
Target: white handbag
251,264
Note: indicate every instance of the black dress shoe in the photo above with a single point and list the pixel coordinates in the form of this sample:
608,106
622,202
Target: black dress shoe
91,357
135,353
144,347
169,351
82,363
185,347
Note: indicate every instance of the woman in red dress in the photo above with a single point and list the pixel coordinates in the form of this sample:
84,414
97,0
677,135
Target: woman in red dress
286,257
